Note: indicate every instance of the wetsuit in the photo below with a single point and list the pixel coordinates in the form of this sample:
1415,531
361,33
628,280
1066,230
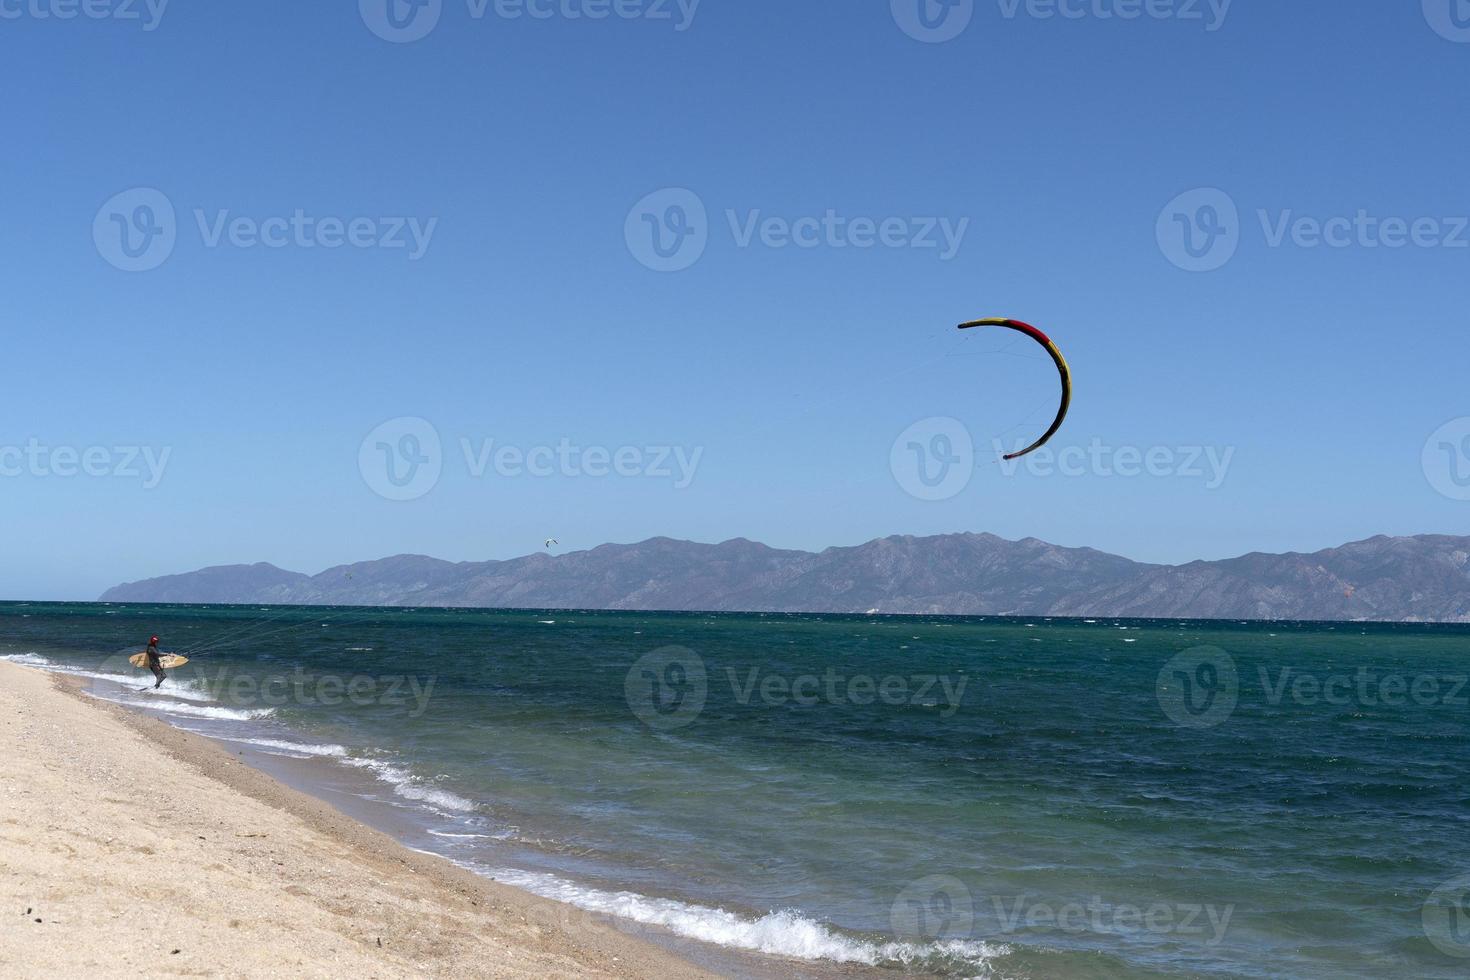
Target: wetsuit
156,665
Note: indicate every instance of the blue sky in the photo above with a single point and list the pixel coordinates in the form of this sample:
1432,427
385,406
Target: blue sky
1061,152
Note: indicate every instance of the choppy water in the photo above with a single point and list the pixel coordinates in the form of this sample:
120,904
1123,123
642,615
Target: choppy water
962,797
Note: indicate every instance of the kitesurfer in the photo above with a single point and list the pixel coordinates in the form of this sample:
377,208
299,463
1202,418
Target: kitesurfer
155,662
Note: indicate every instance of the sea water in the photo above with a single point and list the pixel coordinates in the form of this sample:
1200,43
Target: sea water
1000,797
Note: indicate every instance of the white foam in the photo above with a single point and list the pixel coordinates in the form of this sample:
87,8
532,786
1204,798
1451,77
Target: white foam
301,749
27,659
185,690
778,933
408,787
205,711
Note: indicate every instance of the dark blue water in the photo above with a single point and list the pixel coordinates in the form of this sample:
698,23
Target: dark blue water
1004,797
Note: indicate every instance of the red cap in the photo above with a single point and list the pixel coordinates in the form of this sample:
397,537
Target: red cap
153,640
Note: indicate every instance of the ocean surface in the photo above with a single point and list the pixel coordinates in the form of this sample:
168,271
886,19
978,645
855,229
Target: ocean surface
957,797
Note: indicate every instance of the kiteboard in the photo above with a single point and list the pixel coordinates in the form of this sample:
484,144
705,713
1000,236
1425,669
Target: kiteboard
167,661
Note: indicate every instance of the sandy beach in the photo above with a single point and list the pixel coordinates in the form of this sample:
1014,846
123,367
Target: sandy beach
130,848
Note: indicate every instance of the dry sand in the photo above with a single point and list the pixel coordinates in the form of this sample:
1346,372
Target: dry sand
130,848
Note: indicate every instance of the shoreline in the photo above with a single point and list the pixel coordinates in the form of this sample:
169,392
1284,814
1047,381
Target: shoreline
258,876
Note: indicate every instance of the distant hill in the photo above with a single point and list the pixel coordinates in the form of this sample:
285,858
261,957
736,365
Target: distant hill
1424,578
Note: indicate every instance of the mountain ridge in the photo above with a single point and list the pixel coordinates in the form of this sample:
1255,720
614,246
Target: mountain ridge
1423,578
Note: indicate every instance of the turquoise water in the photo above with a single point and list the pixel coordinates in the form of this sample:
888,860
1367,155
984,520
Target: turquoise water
960,797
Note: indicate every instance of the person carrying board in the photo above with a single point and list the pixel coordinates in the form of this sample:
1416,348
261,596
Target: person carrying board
155,662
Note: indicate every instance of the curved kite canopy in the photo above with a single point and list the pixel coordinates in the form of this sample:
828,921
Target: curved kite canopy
1056,355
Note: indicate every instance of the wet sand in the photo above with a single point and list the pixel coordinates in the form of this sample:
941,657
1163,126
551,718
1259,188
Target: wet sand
130,848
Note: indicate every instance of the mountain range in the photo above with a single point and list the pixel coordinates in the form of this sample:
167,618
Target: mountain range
1411,579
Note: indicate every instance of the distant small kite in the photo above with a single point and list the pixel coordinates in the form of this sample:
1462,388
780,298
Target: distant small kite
551,542
1056,355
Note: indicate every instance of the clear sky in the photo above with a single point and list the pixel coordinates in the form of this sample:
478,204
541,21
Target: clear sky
535,308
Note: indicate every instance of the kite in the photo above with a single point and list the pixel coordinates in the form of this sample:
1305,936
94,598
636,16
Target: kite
1056,355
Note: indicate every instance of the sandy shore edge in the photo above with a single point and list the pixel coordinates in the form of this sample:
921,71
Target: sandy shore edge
146,850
